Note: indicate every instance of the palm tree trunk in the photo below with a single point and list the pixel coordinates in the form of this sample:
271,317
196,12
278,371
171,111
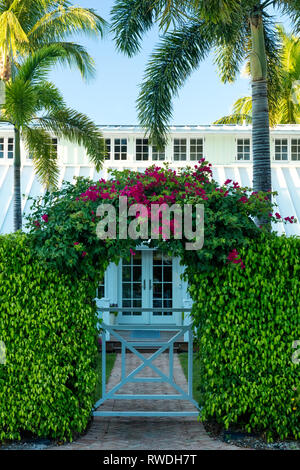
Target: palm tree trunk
261,137
17,183
260,107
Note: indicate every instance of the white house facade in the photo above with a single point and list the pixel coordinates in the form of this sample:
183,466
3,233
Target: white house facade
151,280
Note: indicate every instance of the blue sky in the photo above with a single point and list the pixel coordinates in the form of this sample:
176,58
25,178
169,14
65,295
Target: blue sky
110,97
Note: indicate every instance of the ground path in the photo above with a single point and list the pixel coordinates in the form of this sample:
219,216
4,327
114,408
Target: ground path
140,433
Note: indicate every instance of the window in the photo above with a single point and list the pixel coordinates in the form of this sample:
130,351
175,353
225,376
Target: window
101,289
295,149
281,149
196,149
243,149
108,149
10,148
179,150
158,156
120,149
1,147
142,150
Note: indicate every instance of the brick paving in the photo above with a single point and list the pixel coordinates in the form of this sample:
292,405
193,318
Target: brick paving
146,433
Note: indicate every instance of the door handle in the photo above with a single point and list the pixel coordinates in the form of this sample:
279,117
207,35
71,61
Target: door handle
144,284
150,284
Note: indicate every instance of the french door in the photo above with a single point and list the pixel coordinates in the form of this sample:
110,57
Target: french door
146,281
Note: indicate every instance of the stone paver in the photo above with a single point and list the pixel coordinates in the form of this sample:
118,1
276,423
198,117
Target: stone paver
145,433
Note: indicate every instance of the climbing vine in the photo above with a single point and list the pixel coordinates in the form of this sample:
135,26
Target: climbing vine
63,224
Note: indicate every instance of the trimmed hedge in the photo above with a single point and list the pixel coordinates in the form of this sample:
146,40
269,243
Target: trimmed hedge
48,323
247,320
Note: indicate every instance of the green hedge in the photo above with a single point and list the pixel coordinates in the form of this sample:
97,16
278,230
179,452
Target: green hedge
48,323
247,321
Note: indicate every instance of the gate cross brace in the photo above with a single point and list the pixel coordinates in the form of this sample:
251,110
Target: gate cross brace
146,362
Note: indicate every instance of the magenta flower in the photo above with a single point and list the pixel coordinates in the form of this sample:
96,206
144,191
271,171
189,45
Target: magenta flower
45,218
37,224
133,253
278,216
83,254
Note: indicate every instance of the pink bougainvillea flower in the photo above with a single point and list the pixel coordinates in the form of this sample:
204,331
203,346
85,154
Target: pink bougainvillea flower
76,243
228,181
290,219
133,253
45,218
233,257
243,199
83,254
37,224
277,215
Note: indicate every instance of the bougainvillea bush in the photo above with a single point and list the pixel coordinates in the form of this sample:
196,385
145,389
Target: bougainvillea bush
247,321
63,224
48,323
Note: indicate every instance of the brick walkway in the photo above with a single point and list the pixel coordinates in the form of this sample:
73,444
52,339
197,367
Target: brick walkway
146,433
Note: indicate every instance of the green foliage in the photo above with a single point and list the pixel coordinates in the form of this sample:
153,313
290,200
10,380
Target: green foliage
285,109
247,321
67,237
48,322
37,109
189,31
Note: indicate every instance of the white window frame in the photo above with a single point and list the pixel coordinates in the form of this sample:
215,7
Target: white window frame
2,142
243,138
188,147
5,144
158,152
113,148
149,149
109,154
279,137
298,145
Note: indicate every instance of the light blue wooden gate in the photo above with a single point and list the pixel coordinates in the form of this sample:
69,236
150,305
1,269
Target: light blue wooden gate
161,347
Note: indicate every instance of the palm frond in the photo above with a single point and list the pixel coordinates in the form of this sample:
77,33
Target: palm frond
130,20
20,102
77,55
231,52
179,53
48,97
39,145
11,33
292,9
218,11
65,20
236,118
77,128
37,66
174,12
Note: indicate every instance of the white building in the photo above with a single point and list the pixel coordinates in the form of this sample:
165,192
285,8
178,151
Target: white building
151,280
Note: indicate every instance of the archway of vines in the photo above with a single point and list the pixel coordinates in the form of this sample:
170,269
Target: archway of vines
64,224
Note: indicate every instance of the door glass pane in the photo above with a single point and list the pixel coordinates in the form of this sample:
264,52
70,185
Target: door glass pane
132,284
162,284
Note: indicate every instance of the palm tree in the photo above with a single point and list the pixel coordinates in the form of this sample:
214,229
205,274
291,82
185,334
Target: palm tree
27,25
37,111
286,108
235,29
